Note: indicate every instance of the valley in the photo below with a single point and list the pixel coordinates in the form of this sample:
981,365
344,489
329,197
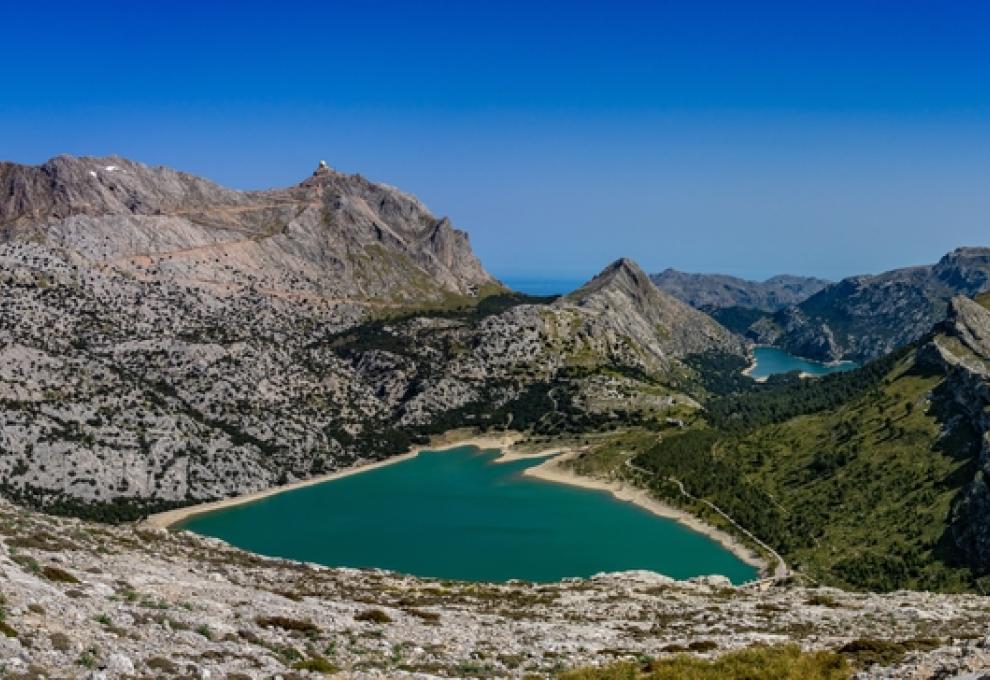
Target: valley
167,343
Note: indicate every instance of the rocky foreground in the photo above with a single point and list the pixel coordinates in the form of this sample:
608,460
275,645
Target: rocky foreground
88,600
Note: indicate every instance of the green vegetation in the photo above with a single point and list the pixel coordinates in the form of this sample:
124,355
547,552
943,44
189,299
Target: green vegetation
851,477
115,511
788,396
373,616
757,663
719,373
58,575
462,308
867,652
736,319
289,624
5,628
317,664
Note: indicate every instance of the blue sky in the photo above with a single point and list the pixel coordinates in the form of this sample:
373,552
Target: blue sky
745,137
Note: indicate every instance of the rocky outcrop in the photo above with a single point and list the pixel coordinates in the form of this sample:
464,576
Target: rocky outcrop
865,317
333,235
970,323
623,301
87,600
960,348
718,291
127,390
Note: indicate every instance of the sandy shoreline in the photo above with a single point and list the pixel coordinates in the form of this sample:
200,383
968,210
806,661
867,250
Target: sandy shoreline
504,443
748,371
552,471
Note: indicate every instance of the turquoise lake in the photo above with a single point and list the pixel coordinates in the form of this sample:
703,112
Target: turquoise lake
772,360
458,515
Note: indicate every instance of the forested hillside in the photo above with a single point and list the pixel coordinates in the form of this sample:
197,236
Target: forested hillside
867,479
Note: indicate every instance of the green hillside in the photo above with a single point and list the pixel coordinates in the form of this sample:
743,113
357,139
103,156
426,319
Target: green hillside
851,479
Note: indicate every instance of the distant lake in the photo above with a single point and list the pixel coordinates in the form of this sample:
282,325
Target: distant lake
533,286
773,360
458,515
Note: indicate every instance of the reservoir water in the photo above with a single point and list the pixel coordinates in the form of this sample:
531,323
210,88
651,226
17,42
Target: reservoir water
459,515
773,360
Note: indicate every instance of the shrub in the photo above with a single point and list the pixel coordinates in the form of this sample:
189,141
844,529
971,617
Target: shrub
373,616
821,600
317,664
424,615
869,651
60,642
58,575
285,623
158,663
787,662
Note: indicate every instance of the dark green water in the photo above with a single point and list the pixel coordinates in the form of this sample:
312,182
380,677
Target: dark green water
773,360
458,515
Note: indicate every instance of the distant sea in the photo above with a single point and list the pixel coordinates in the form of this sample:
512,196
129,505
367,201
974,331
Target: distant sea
537,286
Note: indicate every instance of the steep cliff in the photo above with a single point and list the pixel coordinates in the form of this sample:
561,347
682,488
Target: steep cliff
865,317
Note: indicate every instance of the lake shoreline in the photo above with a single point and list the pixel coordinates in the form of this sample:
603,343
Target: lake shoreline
170,518
836,365
549,470
553,470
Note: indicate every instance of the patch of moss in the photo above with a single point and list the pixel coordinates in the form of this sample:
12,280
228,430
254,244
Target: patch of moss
317,664
373,616
757,663
869,652
286,623
58,575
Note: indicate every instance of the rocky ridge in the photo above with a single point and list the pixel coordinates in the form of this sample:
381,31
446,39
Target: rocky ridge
865,317
333,235
961,348
627,301
718,291
86,600
141,370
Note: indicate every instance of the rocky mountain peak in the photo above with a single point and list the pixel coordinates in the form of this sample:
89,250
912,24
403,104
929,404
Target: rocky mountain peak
622,275
720,291
970,323
965,269
67,186
335,235
623,298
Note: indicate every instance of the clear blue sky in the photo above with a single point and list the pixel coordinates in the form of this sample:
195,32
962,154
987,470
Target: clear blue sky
824,138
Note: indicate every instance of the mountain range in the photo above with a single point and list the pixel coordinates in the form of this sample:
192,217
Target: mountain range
333,235
166,340
865,317
720,291
859,318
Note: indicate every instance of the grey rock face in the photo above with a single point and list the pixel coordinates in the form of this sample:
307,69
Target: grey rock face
961,349
119,386
712,291
197,607
624,298
970,322
335,235
866,317
166,339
